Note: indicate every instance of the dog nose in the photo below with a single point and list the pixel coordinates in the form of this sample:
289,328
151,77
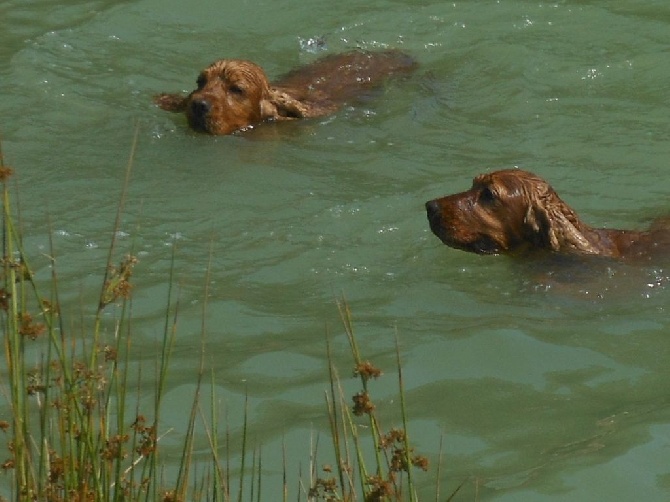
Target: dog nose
432,207
200,106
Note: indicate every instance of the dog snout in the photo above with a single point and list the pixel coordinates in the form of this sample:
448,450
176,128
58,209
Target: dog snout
432,208
200,107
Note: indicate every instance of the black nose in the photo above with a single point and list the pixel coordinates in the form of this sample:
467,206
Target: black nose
200,107
432,207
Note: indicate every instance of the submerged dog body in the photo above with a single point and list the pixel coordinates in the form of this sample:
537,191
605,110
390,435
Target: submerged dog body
513,212
235,94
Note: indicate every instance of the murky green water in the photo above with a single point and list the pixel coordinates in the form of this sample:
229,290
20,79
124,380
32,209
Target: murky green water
539,393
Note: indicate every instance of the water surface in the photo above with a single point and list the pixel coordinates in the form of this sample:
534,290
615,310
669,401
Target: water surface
539,391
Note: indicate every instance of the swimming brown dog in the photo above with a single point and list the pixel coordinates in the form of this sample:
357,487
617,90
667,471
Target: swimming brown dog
235,95
514,211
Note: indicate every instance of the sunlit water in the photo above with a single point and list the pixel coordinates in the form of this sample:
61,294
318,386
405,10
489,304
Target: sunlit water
538,390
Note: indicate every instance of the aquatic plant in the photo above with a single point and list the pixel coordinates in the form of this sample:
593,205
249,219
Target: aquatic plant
393,455
73,434
77,431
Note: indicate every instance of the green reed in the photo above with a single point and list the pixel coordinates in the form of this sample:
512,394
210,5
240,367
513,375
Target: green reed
389,477
77,431
73,434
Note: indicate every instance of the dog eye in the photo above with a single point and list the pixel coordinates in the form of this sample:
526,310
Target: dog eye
486,196
201,81
236,89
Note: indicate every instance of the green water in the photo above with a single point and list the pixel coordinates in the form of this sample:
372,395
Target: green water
538,391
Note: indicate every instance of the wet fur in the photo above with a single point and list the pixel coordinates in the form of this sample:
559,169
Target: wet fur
515,212
234,94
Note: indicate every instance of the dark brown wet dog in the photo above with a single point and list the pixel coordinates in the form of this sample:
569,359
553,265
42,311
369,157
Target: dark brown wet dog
514,212
234,94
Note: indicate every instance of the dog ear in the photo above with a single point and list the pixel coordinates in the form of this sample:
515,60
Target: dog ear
280,105
171,102
553,224
539,225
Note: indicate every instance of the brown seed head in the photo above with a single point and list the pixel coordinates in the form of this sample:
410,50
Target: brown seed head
362,404
367,371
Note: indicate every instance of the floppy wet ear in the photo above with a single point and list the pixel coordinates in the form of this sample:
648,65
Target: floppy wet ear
171,102
280,105
554,225
541,228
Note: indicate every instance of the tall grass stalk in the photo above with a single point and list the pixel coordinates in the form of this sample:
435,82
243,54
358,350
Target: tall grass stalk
345,315
75,434
219,482
71,434
392,478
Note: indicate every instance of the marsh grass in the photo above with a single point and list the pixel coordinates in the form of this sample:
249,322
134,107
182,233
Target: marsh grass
387,471
76,430
74,433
